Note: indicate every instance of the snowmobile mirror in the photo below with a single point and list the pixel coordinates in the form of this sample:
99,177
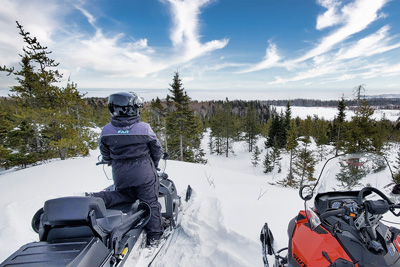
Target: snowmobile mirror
35,223
306,192
396,189
165,156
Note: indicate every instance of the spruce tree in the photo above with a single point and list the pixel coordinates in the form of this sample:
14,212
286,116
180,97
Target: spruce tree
291,146
350,174
361,129
224,127
5,126
184,128
251,127
54,118
396,175
304,164
268,162
255,157
286,124
338,126
381,135
273,159
321,136
276,131
156,114
276,156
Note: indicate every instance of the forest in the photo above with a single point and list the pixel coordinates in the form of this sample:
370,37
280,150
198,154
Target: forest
41,121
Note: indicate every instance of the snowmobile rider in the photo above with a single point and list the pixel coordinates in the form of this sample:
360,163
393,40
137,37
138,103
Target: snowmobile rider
133,150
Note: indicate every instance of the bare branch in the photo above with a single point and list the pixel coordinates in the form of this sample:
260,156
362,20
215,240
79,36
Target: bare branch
209,180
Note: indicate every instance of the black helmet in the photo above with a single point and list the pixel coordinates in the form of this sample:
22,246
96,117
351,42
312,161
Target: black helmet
124,104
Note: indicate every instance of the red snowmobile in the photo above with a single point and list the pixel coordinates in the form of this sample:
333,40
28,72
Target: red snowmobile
345,226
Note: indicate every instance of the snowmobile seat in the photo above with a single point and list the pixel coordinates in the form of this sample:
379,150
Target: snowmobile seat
72,217
82,217
72,210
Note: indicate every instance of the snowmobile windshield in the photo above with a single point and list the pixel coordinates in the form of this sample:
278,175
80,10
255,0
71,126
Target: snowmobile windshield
352,172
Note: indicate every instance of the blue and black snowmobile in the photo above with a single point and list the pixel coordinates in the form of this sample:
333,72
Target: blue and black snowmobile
81,231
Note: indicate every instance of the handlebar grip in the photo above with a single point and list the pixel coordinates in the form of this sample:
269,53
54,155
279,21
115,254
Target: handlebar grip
103,162
332,213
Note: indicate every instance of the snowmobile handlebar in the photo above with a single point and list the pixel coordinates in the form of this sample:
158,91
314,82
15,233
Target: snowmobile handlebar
393,207
380,206
103,162
373,207
335,212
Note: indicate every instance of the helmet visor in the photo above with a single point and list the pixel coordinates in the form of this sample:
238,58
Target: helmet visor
120,100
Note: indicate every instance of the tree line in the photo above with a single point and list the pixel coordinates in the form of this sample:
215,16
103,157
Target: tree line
390,102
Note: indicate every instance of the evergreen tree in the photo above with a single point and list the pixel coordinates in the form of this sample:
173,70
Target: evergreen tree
272,159
396,175
256,156
339,126
251,127
361,129
268,162
304,166
286,124
321,136
291,146
157,120
224,128
276,132
184,128
381,135
5,126
52,122
304,163
276,157
350,174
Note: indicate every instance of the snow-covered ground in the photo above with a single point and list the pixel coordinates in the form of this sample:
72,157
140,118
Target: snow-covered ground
329,113
221,224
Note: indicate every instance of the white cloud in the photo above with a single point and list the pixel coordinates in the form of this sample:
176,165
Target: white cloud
355,17
91,19
333,58
185,32
308,74
39,17
349,18
384,69
271,59
331,16
375,43
101,55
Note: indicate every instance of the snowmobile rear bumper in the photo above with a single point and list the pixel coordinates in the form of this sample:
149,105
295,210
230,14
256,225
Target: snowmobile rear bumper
72,252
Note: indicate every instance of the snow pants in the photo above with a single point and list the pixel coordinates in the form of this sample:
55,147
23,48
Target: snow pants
145,192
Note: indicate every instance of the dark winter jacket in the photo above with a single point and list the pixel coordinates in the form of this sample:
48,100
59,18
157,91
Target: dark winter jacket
133,149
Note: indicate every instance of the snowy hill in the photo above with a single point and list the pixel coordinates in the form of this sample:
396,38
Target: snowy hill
221,223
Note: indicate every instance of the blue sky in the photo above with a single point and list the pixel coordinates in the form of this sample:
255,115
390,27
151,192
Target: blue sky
240,49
